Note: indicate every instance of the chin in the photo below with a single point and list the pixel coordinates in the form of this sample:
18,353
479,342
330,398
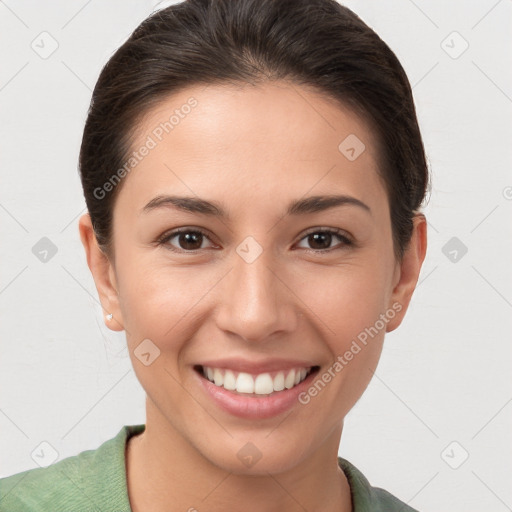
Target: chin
253,458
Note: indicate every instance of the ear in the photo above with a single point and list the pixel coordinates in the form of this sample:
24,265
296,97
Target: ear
103,273
408,271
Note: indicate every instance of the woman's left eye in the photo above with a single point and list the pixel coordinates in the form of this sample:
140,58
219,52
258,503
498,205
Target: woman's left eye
322,239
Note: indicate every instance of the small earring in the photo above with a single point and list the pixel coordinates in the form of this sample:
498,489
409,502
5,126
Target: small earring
109,316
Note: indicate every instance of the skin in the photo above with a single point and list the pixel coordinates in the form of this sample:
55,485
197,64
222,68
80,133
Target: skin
254,149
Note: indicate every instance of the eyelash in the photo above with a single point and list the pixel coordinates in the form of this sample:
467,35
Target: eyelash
166,237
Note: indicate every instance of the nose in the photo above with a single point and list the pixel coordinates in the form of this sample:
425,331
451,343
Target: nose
255,302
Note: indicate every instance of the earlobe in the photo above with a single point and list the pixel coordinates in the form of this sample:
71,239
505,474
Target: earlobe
103,274
409,271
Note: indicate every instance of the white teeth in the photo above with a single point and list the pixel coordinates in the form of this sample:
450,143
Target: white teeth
279,382
229,380
218,378
290,380
244,383
262,384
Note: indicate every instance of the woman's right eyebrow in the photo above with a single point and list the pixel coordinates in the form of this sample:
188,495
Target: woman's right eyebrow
190,204
313,204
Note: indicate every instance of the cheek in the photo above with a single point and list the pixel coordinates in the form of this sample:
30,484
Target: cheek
345,299
160,301
354,334
162,304
350,303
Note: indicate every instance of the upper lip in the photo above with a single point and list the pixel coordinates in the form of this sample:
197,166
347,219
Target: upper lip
255,367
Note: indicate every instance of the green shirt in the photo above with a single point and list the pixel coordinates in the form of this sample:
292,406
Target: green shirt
95,481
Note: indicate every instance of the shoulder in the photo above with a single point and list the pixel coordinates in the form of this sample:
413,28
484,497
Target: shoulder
90,481
365,497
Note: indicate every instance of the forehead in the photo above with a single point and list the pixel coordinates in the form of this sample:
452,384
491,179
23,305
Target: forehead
253,114
269,139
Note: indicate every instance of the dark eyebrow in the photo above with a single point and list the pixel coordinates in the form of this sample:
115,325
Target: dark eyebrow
189,204
312,204
320,203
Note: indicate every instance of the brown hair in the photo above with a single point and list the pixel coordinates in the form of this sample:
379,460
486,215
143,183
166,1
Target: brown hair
317,43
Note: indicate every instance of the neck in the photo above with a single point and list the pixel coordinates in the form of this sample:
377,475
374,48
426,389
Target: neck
163,468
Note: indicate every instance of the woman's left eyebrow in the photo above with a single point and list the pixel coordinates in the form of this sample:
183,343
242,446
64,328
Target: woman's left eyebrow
304,206
315,204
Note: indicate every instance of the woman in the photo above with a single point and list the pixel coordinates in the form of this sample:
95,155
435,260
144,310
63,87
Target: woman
253,172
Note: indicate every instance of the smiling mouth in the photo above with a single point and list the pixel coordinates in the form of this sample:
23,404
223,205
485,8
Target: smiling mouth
262,384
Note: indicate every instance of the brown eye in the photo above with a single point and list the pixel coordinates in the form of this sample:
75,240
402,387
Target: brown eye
190,241
187,240
321,240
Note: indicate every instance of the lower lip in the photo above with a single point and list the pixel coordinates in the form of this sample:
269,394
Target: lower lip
257,407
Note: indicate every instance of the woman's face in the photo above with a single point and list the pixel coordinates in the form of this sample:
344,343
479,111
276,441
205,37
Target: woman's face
278,281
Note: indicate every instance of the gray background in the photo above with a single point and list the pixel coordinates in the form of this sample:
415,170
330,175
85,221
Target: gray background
442,389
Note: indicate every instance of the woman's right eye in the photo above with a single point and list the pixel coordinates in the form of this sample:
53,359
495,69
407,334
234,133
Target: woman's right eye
187,240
